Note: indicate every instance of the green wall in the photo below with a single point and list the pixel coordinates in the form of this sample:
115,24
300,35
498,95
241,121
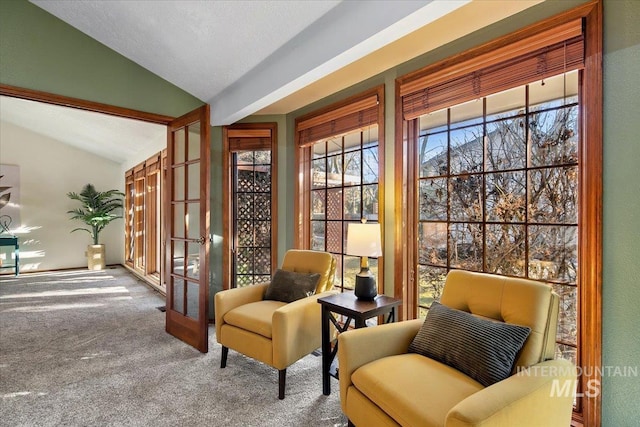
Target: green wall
39,51
215,224
621,201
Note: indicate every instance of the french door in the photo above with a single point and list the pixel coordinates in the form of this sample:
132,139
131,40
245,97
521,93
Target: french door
187,228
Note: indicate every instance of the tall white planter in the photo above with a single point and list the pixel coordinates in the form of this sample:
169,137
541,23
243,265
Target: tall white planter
96,257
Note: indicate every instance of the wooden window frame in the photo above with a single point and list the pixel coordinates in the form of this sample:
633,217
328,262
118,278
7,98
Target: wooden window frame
146,247
153,216
128,218
355,112
139,218
252,137
589,192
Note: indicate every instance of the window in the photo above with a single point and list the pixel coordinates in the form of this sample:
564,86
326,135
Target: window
130,208
153,203
252,217
143,225
250,208
340,165
497,192
343,189
504,175
139,180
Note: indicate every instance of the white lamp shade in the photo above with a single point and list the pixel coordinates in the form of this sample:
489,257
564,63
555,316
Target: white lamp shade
364,240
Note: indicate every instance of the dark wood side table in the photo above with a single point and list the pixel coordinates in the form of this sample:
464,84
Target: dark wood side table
348,305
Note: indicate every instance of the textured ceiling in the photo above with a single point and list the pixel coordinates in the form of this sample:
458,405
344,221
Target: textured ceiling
200,46
111,137
241,56
249,57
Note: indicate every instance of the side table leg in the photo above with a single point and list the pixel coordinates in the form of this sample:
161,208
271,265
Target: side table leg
17,259
326,352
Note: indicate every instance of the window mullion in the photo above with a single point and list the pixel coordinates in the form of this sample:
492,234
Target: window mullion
362,174
449,239
528,164
485,151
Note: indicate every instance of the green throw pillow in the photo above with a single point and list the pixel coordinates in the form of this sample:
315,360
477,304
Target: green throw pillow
288,286
482,349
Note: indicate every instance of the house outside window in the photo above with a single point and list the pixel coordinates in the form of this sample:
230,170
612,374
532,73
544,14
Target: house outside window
504,175
340,164
497,193
344,188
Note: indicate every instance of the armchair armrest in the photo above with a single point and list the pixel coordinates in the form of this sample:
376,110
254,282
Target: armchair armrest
361,346
227,300
296,329
541,395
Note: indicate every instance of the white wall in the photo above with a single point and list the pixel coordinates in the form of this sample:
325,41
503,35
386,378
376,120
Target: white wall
50,169
150,148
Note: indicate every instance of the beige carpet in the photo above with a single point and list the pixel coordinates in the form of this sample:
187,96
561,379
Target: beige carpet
81,348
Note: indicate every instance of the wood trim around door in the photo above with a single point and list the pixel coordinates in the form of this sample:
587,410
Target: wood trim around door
82,104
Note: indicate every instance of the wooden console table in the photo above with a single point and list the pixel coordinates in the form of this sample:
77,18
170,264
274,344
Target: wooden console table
353,308
12,241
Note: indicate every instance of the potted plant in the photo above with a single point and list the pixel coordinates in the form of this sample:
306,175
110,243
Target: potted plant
98,209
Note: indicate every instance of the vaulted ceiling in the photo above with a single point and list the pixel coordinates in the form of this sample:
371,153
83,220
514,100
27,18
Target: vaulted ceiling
242,56
249,57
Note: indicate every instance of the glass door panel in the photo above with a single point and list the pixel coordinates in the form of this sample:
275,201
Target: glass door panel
252,217
250,205
188,229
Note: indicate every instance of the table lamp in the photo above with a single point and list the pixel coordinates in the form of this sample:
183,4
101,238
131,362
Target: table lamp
363,240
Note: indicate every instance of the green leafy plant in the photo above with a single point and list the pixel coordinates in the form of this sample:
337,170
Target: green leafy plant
98,209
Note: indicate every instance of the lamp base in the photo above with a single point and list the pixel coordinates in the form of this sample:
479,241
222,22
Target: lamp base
366,288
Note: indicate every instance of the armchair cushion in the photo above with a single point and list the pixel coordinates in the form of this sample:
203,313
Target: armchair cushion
289,286
483,349
412,389
255,317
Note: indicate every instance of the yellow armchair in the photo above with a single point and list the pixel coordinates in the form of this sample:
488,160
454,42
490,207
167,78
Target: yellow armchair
382,384
274,332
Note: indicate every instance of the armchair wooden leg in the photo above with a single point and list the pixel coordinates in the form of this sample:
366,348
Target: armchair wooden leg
282,376
223,359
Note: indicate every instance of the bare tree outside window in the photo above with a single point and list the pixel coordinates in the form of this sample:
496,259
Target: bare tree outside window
497,192
344,188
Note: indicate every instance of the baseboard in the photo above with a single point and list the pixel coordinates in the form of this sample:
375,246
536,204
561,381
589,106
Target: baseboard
151,283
